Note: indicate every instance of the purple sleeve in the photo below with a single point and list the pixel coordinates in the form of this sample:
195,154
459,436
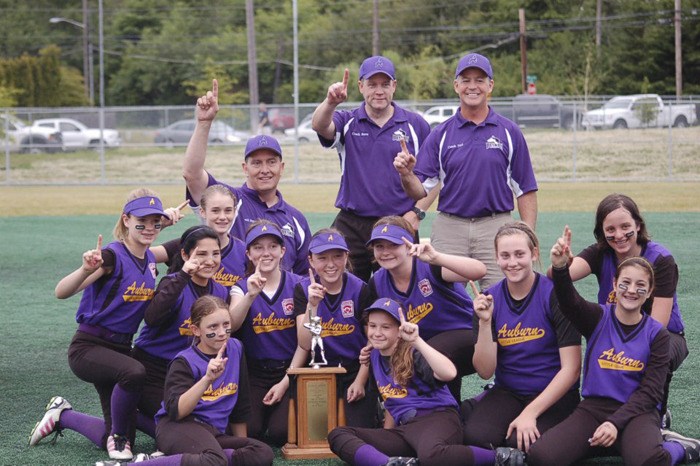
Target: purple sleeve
521,165
340,118
427,159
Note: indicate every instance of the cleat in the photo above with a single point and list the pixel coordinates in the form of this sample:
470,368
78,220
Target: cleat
141,457
690,445
49,423
402,461
156,454
119,448
666,420
109,463
509,457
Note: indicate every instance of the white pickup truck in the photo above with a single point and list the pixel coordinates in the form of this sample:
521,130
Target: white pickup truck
640,111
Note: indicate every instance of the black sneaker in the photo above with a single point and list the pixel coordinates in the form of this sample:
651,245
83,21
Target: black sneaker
402,461
690,445
506,456
666,419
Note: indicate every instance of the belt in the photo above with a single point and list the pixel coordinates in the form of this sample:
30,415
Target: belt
491,215
269,364
106,334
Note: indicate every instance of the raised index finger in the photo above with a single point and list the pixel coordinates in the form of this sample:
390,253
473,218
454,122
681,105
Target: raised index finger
346,78
475,290
99,243
402,319
257,266
220,354
407,242
404,147
181,206
215,88
311,276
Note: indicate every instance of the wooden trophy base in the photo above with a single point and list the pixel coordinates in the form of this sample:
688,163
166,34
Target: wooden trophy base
319,412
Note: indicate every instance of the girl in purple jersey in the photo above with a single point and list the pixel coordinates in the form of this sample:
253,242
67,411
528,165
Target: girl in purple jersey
337,297
621,233
411,376
626,361
430,285
205,389
118,283
262,311
524,339
167,317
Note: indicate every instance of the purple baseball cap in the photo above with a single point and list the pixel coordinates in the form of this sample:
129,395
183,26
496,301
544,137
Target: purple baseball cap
474,60
262,142
142,206
323,242
377,64
387,305
263,229
392,233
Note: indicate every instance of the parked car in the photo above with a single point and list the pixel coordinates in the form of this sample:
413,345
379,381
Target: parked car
306,133
640,110
21,137
281,118
78,136
436,115
181,131
539,111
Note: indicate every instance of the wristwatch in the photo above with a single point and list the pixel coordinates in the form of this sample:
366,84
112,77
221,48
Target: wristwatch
419,213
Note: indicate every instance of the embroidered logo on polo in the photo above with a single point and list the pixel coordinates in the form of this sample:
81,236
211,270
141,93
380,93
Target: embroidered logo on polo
185,329
347,308
418,313
336,329
213,394
611,360
136,293
288,306
494,143
224,278
271,323
287,230
390,391
426,289
518,334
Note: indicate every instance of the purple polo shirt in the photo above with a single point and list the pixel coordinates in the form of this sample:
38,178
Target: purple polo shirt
370,186
480,166
292,222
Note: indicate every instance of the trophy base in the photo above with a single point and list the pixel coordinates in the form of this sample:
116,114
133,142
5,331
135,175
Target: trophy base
292,452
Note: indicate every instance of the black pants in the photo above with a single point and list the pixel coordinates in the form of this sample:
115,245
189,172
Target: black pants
153,388
363,412
639,443
357,231
678,349
269,422
458,346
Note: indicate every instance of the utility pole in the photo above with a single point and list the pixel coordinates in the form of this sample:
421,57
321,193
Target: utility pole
598,24
523,51
376,49
87,57
252,65
679,55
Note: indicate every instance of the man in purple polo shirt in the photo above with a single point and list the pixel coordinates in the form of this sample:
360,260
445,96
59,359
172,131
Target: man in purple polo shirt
258,197
482,161
367,140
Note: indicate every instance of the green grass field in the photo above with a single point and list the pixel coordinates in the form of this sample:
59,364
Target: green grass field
38,250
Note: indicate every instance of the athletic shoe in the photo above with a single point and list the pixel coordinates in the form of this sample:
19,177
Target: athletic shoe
402,461
690,445
49,423
119,447
509,457
156,454
666,419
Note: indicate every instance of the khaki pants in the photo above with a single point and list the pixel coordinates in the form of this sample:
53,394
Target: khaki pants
470,237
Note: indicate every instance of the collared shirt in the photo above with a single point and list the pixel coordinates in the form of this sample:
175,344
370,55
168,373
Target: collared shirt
370,186
480,166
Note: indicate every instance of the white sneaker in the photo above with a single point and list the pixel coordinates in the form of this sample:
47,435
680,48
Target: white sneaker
119,447
49,423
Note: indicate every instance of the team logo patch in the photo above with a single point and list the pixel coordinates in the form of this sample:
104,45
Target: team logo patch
288,306
426,289
287,230
348,308
494,143
152,268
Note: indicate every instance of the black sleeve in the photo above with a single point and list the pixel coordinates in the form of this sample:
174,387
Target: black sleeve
165,297
178,380
372,291
665,277
436,272
300,300
583,314
594,257
366,300
172,248
241,412
567,335
423,371
109,259
650,391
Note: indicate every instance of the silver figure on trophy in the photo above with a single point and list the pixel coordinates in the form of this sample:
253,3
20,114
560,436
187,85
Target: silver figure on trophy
316,328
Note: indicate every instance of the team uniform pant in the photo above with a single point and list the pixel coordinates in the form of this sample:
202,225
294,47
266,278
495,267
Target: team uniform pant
263,419
470,237
106,365
458,346
363,412
434,438
639,442
488,422
154,386
678,349
202,445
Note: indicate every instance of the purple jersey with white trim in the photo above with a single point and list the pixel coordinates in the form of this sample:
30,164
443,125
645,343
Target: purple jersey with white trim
480,166
220,397
528,350
342,331
615,363
416,396
293,225
118,301
269,330
233,263
652,252
175,335
432,303
370,186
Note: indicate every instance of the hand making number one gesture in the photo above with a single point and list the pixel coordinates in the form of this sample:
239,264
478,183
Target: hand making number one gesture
192,265
217,365
407,331
92,259
316,290
483,304
338,92
208,104
256,282
404,162
174,214
561,251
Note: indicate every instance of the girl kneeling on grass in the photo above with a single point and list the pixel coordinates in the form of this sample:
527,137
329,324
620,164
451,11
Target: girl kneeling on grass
411,376
119,282
625,366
